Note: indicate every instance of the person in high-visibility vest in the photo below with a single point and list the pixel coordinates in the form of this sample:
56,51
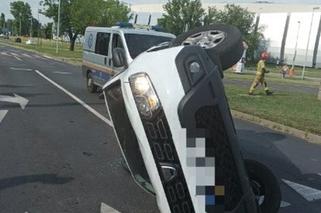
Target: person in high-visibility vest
260,74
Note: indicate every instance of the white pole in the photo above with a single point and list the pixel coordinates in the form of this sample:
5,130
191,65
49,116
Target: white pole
296,44
307,49
58,28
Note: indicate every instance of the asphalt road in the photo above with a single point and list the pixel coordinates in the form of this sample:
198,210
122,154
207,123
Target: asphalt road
56,156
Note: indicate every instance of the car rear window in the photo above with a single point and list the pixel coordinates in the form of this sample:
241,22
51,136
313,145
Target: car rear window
138,43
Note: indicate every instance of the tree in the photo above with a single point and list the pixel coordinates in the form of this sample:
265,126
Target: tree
10,26
2,21
112,12
181,15
47,29
240,18
22,14
76,15
211,16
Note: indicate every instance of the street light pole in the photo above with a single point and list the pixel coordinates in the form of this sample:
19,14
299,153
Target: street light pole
20,24
307,49
58,28
296,45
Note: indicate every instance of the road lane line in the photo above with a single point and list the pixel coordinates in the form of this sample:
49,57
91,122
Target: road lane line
14,54
89,108
26,55
3,114
62,73
4,53
104,208
20,69
309,193
16,57
284,204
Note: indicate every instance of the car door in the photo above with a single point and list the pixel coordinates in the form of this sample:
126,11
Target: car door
102,49
117,42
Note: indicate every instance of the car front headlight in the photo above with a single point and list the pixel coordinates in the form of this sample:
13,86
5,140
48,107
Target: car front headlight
146,99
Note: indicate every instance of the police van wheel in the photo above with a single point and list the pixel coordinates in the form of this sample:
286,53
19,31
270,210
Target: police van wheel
91,87
219,40
265,186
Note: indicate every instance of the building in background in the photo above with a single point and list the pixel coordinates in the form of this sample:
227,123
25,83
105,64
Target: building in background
280,23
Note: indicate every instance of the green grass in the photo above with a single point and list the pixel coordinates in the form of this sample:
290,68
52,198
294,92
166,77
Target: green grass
309,72
271,78
48,47
300,111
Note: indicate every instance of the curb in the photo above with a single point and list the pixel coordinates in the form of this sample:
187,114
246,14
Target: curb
308,137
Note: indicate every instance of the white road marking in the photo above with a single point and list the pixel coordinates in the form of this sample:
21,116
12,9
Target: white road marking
48,57
89,108
16,99
284,204
319,174
26,55
14,54
3,114
16,57
104,208
309,193
37,56
4,53
20,69
62,73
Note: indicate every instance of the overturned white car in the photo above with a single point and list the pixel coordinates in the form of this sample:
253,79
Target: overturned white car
175,130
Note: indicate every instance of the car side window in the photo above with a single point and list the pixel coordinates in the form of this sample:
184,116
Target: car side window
117,42
102,43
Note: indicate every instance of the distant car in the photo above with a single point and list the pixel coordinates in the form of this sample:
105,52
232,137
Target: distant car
99,44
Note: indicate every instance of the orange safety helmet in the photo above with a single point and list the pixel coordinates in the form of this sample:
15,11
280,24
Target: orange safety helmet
264,56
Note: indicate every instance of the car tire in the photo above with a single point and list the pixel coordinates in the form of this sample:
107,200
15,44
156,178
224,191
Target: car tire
228,49
264,183
91,87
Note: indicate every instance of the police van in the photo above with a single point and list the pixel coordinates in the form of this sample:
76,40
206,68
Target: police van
98,48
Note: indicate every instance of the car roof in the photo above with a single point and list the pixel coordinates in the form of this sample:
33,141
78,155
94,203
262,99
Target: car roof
130,31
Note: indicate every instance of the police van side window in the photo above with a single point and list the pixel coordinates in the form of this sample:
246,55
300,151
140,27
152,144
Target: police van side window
102,43
117,42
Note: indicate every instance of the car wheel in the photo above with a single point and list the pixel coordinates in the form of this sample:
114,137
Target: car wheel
91,87
265,186
222,41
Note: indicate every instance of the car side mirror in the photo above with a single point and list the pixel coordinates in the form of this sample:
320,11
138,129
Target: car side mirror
119,58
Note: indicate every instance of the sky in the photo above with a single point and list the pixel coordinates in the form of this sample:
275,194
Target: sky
5,4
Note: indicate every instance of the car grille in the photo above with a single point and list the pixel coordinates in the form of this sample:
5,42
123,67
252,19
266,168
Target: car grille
165,155
217,144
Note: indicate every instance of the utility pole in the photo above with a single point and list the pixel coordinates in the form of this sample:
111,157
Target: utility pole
20,24
58,28
307,49
39,25
296,45
285,35
31,20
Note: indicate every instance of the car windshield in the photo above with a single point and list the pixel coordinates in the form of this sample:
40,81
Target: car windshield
138,43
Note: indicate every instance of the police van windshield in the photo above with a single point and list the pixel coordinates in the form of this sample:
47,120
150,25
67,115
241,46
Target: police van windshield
138,43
